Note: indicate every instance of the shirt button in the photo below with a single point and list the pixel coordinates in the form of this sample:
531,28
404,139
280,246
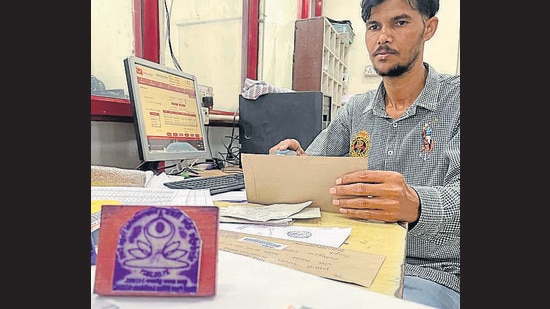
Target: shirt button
390,152
394,124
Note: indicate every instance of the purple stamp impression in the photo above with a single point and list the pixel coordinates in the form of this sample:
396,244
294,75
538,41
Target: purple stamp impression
158,249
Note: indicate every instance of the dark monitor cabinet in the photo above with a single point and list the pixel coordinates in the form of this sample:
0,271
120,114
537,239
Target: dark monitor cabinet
272,117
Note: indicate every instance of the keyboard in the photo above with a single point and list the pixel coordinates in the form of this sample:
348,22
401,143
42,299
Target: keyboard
216,184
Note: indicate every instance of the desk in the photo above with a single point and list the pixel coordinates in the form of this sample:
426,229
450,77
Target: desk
244,282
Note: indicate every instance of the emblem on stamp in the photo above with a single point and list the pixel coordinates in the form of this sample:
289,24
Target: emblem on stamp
158,249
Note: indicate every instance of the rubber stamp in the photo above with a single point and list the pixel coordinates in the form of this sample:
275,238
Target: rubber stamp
157,251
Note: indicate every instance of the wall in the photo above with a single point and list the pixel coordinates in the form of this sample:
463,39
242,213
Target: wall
114,144
276,42
206,39
215,56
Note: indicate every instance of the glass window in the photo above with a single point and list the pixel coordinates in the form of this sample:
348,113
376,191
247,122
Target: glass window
204,39
112,40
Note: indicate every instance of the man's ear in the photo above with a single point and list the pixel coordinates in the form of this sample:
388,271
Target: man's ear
431,27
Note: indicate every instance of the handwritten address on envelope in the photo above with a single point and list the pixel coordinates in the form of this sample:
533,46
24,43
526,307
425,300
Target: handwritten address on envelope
328,262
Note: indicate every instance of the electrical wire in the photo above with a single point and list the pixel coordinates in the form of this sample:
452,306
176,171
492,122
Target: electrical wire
232,154
174,59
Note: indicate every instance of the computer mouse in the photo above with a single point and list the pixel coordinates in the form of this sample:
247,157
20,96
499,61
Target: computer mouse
286,152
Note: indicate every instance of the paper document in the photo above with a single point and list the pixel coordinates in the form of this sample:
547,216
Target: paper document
334,263
325,236
157,181
278,222
307,213
263,213
231,196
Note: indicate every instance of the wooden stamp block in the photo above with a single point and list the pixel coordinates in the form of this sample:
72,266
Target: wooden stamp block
157,251
92,251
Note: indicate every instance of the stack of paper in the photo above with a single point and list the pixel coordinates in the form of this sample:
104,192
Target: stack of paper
276,214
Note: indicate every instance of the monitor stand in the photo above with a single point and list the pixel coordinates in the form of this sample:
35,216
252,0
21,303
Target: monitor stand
153,166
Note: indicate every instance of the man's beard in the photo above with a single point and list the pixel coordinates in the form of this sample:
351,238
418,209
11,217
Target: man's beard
396,71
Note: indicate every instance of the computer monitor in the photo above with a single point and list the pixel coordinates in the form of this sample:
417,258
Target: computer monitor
167,113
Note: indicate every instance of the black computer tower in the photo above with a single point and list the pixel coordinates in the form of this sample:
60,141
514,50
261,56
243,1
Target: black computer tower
272,117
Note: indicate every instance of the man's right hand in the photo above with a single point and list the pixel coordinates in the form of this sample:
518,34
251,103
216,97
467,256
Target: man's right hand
288,143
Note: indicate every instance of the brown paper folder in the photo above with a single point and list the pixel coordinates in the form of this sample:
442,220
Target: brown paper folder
271,179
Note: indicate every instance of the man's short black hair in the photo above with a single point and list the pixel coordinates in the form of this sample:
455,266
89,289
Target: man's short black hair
427,8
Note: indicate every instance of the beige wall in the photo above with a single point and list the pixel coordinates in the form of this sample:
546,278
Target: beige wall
276,42
206,37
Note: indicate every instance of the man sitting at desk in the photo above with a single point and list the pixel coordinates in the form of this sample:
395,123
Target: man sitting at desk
409,128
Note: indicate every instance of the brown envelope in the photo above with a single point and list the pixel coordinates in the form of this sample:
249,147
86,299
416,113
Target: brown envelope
271,179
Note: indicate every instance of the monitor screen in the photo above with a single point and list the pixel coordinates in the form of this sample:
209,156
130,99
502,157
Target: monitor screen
167,112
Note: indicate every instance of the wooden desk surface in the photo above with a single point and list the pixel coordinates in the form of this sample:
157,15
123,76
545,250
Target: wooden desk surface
388,239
